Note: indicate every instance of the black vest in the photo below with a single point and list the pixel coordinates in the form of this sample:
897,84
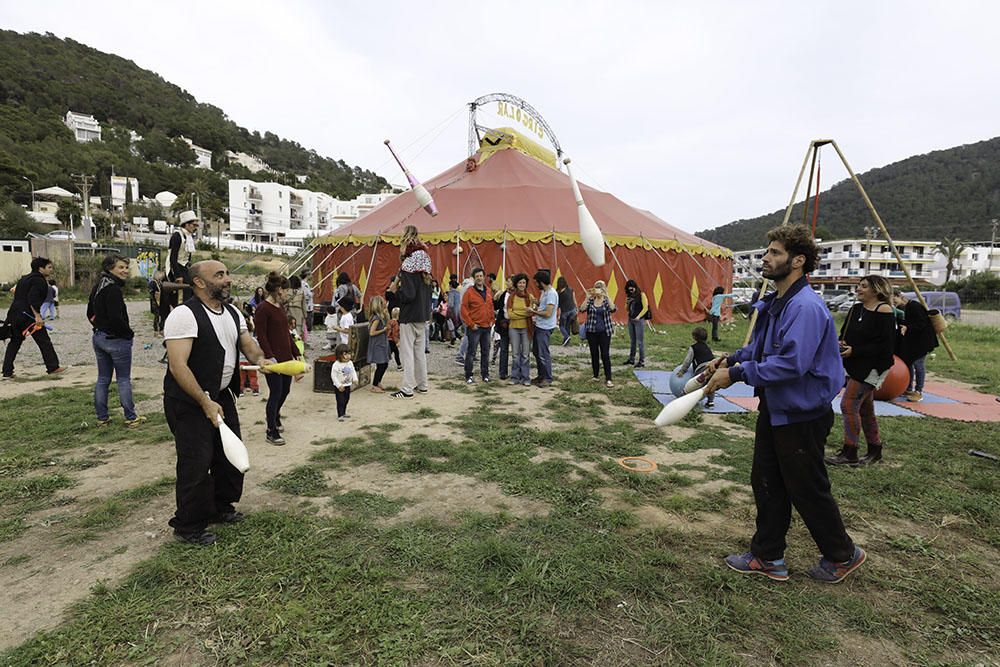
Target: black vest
702,353
207,357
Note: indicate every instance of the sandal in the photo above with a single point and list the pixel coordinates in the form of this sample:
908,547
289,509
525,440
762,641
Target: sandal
377,389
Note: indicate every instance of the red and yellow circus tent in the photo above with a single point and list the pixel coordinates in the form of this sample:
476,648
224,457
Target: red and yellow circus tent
508,212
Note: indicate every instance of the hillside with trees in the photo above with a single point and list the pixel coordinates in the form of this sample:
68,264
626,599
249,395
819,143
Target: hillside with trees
43,76
950,193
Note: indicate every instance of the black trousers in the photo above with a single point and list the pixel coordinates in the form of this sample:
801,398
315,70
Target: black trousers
715,327
788,470
343,398
379,374
42,340
207,483
394,351
600,346
278,388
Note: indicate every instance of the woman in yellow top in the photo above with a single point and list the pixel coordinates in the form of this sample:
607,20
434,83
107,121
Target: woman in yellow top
518,303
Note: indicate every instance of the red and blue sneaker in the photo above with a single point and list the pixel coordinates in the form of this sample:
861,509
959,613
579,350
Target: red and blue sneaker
749,564
833,573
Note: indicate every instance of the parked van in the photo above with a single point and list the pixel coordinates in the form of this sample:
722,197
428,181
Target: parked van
947,303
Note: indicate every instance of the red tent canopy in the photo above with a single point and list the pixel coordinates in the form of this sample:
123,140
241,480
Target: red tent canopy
511,213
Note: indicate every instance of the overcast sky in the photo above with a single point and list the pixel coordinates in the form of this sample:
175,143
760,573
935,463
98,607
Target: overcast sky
700,112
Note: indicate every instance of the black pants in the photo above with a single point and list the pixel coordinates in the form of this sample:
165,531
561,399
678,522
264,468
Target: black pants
42,340
343,398
394,350
278,388
207,483
788,470
478,338
379,374
715,327
600,345
503,345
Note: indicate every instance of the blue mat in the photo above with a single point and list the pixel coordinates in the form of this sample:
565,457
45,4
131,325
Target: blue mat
659,383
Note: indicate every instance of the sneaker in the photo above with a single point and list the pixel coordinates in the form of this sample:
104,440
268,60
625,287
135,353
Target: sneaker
526,383
227,517
595,379
486,379
201,539
914,396
104,422
422,391
515,381
749,564
255,392
132,423
641,364
566,342
399,367
609,384
275,439
8,377
469,380
709,404
400,394
629,362
340,419
58,371
833,573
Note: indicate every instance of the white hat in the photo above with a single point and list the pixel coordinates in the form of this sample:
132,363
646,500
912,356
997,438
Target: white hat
188,216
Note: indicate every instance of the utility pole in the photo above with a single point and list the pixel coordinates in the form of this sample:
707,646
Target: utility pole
33,200
993,242
83,183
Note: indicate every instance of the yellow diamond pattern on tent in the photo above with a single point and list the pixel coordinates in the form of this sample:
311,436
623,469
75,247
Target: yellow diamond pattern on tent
446,278
657,290
363,280
612,287
501,280
555,279
694,294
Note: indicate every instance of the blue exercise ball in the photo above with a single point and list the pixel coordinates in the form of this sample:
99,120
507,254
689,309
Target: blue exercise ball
677,382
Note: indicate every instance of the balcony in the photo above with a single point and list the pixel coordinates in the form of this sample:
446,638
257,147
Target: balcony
254,225
254,195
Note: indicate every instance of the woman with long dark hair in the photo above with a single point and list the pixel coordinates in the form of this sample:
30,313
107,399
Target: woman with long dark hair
271,324
567,309
519,303
638,313
599,329
866,342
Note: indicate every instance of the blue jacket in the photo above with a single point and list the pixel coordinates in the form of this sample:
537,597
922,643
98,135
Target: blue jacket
793,356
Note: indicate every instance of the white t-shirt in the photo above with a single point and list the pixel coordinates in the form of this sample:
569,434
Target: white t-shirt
346,322
181,324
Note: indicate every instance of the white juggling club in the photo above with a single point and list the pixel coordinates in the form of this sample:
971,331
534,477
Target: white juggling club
234,448
419,191
675,410
590,233
694,383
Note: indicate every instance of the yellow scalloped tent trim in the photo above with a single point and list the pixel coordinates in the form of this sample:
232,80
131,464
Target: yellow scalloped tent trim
522,238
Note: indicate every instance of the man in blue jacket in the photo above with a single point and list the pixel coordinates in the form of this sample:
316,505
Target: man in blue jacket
793,362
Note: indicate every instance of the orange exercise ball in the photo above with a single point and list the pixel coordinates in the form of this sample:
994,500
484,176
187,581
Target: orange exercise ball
895,382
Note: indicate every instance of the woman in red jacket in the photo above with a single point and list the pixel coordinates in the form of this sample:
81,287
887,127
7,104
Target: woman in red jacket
271,326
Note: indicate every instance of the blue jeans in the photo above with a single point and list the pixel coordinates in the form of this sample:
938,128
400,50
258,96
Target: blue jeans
636,336
478,338
564,323
48,311
520,366
917,374
543,356
114,357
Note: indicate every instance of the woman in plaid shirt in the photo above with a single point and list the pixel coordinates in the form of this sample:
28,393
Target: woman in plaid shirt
599,328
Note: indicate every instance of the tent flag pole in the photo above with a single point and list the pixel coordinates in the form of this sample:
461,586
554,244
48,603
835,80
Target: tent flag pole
624,275
503,260
892,245
458,251
788,213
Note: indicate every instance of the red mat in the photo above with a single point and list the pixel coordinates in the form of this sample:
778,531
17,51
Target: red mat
960,394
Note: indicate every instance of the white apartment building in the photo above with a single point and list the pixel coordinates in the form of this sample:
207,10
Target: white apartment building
275,213
978,257
251,162
85,127
203,156
843,262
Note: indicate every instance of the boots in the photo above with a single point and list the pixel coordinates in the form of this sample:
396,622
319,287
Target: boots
874,455
846,456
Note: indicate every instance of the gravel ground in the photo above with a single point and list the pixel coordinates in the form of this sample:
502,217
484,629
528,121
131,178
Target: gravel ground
71,337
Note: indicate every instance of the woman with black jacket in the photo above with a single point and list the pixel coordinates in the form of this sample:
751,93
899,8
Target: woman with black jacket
916,340
866,344
112,340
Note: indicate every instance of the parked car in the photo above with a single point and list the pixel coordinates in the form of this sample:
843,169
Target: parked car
947,303
61,234
835,302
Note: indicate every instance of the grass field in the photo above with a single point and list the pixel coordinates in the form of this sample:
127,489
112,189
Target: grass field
337,578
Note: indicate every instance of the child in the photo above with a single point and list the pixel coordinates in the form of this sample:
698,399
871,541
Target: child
343,375
293,331
413,252
392,332
698,355
331,321
248,380
346,320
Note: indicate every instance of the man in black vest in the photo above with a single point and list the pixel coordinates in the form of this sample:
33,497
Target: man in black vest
204,337
25,317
